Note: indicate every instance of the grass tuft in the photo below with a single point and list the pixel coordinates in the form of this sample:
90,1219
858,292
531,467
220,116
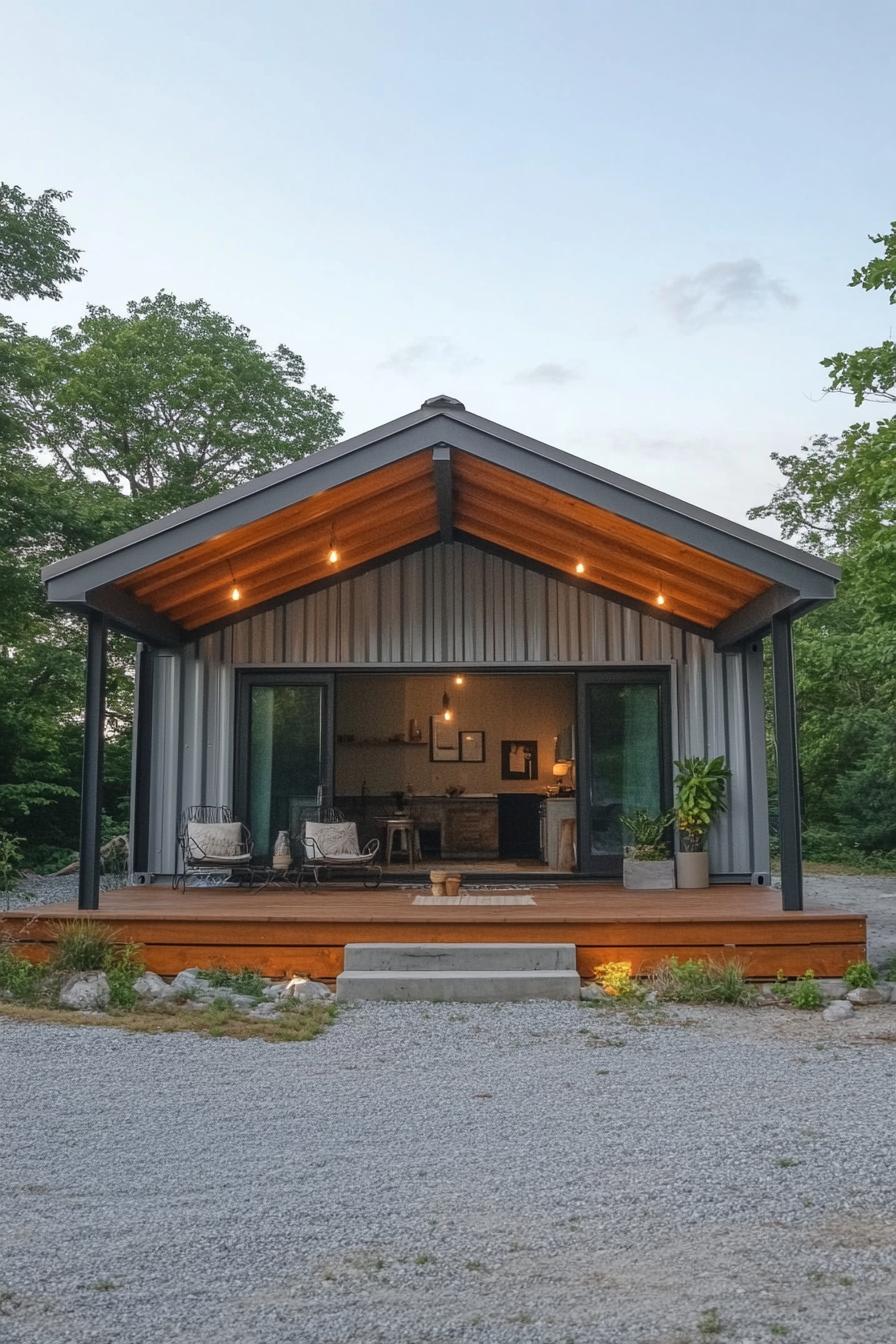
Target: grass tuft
243,981
701,981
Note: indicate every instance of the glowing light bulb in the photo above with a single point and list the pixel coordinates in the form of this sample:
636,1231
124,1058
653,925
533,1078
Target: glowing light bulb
660,600
447,715
333,556
234,594
580,568
458,680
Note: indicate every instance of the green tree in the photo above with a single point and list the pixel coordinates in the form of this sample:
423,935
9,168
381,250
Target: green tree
36,257
839,497
171,403
103,426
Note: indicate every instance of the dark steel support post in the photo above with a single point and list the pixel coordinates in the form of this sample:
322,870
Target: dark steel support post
141,759
789,808
92,772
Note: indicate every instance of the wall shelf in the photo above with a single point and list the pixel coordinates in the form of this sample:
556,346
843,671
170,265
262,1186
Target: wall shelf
379,742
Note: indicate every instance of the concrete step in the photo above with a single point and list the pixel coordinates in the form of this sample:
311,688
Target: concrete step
416,958
456,986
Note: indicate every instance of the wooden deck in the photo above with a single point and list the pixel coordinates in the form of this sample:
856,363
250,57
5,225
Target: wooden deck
278,932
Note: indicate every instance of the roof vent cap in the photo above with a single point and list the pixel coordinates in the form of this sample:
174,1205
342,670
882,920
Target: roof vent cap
442,403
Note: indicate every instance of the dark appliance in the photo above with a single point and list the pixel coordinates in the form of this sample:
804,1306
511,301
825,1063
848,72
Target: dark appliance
518,825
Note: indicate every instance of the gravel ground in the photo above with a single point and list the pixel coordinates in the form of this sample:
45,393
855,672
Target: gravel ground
528,1174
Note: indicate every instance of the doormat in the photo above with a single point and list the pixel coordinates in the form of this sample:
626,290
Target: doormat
477,898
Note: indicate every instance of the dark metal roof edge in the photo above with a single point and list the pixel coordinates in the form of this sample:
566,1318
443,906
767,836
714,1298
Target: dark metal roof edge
630,486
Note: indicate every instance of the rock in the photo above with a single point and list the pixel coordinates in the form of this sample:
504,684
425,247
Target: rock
594,994
865,996
242,1002
651,997
276,990
831,989
152,986
838,1011
189,982
885,989
306,990
224,994
85,990
265,1011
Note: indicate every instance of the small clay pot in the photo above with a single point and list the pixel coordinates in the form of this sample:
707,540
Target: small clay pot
452,884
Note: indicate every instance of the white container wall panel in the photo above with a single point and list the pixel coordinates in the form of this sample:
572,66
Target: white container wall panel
454,604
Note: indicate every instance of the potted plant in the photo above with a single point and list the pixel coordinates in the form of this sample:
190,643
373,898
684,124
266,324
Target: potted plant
647,864
700,797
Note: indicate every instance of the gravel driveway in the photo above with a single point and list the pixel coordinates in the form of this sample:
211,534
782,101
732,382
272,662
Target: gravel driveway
537,1172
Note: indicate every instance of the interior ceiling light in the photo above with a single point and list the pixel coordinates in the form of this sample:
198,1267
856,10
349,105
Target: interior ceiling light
447,712
332,554
580,567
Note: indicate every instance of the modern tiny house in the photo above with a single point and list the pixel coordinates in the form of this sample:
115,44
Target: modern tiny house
447,613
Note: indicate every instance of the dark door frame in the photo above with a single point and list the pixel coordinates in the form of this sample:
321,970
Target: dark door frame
659,675
246,679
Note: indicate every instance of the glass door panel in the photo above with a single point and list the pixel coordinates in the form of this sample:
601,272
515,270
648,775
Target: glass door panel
625,761
283,755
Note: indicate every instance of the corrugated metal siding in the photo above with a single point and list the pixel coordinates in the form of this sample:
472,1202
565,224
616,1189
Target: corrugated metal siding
447,604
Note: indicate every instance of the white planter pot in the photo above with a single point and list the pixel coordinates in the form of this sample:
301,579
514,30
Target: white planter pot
692,870
648,874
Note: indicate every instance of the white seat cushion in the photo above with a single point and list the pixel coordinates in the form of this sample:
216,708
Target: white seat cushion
215,840
333,839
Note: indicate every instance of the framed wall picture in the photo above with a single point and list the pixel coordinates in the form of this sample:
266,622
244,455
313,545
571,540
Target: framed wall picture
519,759
472,746
443,740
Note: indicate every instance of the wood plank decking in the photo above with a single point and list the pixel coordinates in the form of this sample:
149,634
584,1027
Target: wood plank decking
279,932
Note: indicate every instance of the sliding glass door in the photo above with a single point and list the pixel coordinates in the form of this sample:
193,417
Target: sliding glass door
624,762
283,752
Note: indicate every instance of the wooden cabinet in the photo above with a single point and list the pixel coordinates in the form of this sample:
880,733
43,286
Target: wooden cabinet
470,829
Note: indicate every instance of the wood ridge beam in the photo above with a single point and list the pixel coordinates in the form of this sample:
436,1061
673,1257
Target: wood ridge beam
443,476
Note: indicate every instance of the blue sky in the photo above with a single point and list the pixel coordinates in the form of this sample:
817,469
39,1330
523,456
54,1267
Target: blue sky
625,229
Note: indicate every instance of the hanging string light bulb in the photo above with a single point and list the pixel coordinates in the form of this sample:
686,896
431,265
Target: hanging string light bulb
333,554
234,591
447,711
458,679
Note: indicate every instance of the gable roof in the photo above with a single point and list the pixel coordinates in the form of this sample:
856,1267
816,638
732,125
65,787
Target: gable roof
436,474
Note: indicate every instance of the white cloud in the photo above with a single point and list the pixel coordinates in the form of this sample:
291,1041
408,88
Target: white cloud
422,353
551,375
724,292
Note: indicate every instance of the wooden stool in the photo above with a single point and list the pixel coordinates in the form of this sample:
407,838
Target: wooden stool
566,845
406,832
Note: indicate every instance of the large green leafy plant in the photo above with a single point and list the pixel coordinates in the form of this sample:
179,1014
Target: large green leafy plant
700,797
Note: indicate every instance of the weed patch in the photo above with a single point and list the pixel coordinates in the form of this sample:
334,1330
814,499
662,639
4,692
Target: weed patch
803,992
303,1024
701,981
244,981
